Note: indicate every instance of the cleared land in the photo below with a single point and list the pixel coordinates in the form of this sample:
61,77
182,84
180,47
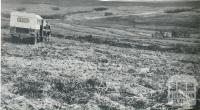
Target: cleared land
98,58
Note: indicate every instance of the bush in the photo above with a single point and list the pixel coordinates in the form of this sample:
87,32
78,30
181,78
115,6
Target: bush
140,104
186,48
100,9
131,71
4,26
75,91
159,96
53,16
58,35
21,9
29,88
106,107
108,13
55,8
69,90
178,10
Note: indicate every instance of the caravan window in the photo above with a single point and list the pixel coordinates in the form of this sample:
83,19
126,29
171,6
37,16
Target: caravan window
22,30
39,22
23,20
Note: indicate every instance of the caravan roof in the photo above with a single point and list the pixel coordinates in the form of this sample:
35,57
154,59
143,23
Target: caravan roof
24,14
25,20
182,78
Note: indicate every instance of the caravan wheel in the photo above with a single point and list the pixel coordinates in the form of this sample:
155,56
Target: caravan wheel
14,39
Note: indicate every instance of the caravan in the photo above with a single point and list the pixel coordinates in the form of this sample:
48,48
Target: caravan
29,25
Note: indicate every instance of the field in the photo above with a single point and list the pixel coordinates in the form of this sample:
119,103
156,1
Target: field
99,57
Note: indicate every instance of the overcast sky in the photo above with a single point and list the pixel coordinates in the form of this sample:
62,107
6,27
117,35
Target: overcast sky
147,0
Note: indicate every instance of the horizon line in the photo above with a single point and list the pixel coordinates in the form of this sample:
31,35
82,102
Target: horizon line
149,0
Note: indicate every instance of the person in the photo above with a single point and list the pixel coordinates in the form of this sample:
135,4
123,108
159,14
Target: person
49,31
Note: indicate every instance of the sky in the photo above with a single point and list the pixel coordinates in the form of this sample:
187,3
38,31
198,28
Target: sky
147,0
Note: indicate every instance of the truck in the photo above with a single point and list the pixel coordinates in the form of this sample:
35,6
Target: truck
25,25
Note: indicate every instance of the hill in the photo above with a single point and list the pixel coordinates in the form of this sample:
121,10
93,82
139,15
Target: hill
102,3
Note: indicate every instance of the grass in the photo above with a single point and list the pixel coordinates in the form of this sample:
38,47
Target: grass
56,71
5,26
69,90
184,48
95,39
6,15
76,91
37,83
178,10
62,15
177,47
29,88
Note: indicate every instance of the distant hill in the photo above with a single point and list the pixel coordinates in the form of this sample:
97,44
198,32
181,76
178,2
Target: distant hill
101,3
57,2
